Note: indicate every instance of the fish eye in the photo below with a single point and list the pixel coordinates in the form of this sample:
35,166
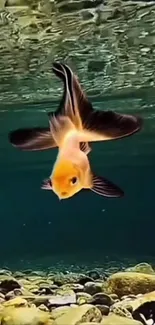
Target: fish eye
74,180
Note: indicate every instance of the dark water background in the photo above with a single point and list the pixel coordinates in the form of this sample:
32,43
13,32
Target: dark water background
34,225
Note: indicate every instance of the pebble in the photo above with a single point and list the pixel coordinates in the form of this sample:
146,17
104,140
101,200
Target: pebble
10,295
93,287
103,309
9,285
102,299
71,302
43,307
93,274
62,300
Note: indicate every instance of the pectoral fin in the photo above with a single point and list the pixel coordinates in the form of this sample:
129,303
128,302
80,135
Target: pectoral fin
104,187
47,184
32,139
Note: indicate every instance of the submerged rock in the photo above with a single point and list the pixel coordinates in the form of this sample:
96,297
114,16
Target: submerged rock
16,302
125,283
118,320
76,287
102,298
79,314
103,309
141,268
57,300
94,274
24,316
93,287
9,284
59,311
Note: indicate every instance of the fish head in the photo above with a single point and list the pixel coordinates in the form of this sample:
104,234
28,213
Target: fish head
67,180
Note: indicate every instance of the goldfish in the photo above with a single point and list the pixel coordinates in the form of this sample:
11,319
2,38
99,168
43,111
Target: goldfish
72,128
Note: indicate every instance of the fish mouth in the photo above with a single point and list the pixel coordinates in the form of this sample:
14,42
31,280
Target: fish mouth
63,195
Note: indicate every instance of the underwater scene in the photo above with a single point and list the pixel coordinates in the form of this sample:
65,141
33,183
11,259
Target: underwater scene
77,162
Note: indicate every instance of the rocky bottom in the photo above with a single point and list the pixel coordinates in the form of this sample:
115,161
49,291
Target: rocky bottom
48,298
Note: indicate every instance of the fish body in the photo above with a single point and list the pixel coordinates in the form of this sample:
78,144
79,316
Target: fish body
71,171
72,128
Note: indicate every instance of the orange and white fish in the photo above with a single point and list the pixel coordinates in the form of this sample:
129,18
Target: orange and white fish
72,127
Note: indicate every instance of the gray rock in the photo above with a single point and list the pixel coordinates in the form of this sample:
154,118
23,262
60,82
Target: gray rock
76,287
9,285
10,295
103,309
5,271
62,300
102,299
17,292
93,287
83,294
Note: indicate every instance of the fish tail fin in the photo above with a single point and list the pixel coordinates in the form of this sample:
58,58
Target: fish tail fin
95,125
68,105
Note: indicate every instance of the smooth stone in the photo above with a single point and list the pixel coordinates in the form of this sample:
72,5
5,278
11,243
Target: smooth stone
18,274
16,302
136,303
121,311
64,292
2,295
125,283
10,295
113,296
17,292
74,316
9,285
94,274
85,279
59,311
62,300
142,268
5,271
89,323
76,287
24,316
24,282
60,278
102,298
43,307
39,300
118,320
15,2
83,295
103,309
128,297
36,273
83,298
93,287
53,287
82,301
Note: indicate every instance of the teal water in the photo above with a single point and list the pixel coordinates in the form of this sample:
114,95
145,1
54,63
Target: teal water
35,225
